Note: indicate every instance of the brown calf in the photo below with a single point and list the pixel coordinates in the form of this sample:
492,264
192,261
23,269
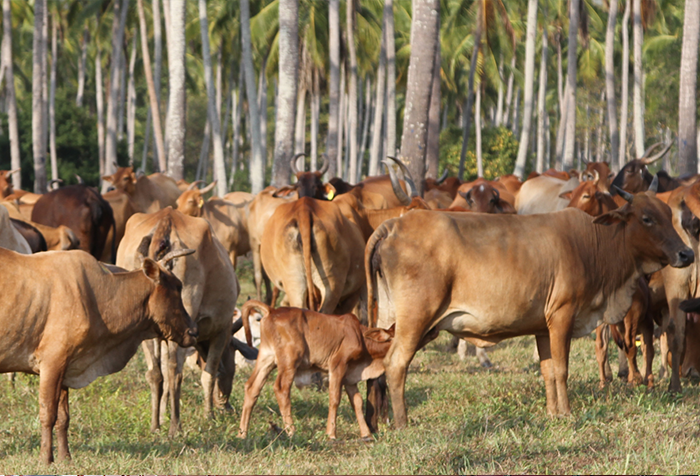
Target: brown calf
300,342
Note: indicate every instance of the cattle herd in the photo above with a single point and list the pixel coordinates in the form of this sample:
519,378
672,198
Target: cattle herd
370,273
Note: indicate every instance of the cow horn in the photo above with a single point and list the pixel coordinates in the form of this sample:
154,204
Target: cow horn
646,160
654,187
79,179
496,194
324,166
53,182
596,176
293,162
14,171
442,177
175,254
398,191
626,195
208,188
194,184
140,173
116,165
407,177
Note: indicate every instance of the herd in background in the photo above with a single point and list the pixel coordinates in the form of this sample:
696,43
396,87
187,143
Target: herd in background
407,266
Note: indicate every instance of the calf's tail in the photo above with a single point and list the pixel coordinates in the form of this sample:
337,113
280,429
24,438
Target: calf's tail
261,307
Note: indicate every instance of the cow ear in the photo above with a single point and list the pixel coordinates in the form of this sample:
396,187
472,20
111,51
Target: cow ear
151,270
329,191
108,178
379,335
566,195
616,216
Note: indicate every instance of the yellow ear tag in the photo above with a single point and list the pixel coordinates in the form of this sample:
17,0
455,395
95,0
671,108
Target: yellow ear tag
331,194
201,202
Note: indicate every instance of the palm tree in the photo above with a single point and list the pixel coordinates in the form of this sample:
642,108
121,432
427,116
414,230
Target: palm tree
38,72
352,90
287,83
424,44
377,136
82,63
433,146
624,89
333,86
7,58
390,77
610,81
542,102
529,86
687,108
52,100
176,122
638,90
570,138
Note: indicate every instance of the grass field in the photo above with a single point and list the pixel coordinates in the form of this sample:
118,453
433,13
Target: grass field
462,419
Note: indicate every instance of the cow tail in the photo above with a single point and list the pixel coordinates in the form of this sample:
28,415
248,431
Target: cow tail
261,307
371,272
305,225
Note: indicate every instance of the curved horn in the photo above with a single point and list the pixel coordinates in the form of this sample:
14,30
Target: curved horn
116,165
208,188
596,176
442,177
496,193
175,254
195,184
79,179
398,191
324,166
407,177
293,162
14,171
650,160
654,187
140,173
53,182
626,195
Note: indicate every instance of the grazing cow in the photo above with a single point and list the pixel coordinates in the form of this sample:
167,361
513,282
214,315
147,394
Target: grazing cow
10,237
299,343
634,176
209,294
543,195
66,318
81,209
580,272
148,194
314,253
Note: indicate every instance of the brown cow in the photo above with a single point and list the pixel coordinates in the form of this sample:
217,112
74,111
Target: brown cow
578,275
310,184
60,238
209,294
66,318
301,342
600,173
503,192
148,194
485,198
34,238
634,176
122,209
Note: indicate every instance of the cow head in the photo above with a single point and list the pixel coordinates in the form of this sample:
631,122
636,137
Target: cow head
378,341
431,183
165,306
648,231
6,183
599,173
485,198
123,179
310,184
634,176
192,200
588,198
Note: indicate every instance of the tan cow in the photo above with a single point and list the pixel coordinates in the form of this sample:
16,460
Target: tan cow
543,195
60,238
301,342
209,294
504,194
122,209
148,194
491,277
10,238
66,318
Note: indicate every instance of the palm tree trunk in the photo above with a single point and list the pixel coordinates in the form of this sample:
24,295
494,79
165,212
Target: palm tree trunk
477,131
624,89
157,73
11,97
152,90
177,100
390,78
315,106
687,108
509,92
570,138
498,121
236,113
214,112
352,90
587,136
204,151
119,23
262,108
300,124
531,39
375,150
99,82
365,127
433,151
286,100
341,121
560,79
601,127
52,101
38,71
610,82
332,147
45,81
516,112
638,100
257,160
122,94
81,66
542,100
470,91
425,42
131,101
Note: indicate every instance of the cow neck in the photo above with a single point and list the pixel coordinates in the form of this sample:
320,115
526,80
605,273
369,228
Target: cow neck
125,309
612,256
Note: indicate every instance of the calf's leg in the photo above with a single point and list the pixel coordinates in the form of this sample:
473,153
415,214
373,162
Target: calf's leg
335,379
263,366
283,389
602,338
377,405
356,402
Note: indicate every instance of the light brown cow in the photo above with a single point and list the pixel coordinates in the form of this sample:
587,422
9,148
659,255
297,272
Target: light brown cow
301,342
543,195
122,209
66,318
504,194
314,254
148,194
209,294
578,274
10,238
600,173
60,238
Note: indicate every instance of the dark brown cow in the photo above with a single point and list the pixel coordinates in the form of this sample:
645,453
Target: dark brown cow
84,211
485,198
634,176
122,209
66,318
309,184
503,192
33,236
301,342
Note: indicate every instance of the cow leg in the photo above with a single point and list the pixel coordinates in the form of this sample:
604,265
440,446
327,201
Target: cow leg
151,349
545,353
224,380
165,395
677,343
335,388
176,359
403,348
50,387
630,336
377,405
462,350
483,357
283,390
664,350
602,339
209,375
257,271
560,346
62,422
356,402
263,366
647,330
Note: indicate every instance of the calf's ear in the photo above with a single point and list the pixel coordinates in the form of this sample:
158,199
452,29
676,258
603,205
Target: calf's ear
379,335
151,270
566,195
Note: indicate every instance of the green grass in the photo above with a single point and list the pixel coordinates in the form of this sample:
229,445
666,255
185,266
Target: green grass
462,419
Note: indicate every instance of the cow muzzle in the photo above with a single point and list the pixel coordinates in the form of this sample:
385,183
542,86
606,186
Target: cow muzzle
190,337
684,257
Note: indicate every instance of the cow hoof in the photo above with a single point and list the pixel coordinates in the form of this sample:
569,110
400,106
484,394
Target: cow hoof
602,385
366,439
241,435
487,364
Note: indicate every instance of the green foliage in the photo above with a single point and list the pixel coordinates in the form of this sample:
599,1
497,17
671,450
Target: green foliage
499,151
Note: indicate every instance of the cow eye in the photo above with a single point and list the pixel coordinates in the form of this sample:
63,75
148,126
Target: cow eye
586,197
647,221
